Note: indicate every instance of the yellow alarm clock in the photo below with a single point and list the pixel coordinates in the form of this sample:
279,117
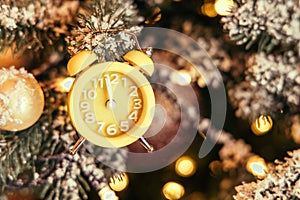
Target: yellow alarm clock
111,104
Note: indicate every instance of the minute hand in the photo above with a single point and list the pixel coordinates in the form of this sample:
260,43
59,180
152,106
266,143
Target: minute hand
110,93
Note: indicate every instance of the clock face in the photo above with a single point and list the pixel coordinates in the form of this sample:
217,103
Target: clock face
111,104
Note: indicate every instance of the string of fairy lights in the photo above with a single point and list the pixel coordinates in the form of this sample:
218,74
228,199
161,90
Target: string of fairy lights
210,8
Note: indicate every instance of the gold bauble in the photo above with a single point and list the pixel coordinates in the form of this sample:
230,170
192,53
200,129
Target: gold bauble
21,99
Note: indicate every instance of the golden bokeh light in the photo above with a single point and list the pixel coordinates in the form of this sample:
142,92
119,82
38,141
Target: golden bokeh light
119,184
262,125
181,77
208,9
64,84
19,59
185,166
223,7
107,194
295,129
215,168
155,16
257,166
196,196
173,190
201,83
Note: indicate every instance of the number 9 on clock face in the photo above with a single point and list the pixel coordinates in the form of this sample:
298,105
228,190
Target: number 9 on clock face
111,104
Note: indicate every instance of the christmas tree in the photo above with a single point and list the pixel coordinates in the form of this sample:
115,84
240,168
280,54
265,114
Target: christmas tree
227,104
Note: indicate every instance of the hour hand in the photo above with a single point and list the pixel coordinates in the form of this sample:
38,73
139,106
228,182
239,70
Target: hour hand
110,104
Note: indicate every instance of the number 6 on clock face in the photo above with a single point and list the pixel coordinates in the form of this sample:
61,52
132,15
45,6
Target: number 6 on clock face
111,104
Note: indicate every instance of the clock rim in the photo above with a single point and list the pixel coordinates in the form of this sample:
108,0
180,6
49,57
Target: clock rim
144,120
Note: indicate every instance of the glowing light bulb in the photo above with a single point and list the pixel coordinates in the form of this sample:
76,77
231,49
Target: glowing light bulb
155,15
208,9
257,166
201,82
295,129
64,84
216,168
107,194
185,166
173,190
223,7
119,184
262,125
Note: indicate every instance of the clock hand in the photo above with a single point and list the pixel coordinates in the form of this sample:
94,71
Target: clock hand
146,144
111,104
77,145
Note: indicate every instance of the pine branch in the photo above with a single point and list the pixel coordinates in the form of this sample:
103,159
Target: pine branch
271,85
282,181
34,25
268,24
102,27
17,154
38,157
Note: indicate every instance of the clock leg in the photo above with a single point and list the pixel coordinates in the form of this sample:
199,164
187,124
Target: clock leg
77,145
146,144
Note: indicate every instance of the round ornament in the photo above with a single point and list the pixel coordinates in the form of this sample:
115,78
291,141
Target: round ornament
111,104
21,99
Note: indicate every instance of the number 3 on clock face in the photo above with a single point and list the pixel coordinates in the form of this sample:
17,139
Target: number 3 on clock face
111,104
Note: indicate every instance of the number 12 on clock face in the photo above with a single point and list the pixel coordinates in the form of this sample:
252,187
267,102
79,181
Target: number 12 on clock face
114,80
